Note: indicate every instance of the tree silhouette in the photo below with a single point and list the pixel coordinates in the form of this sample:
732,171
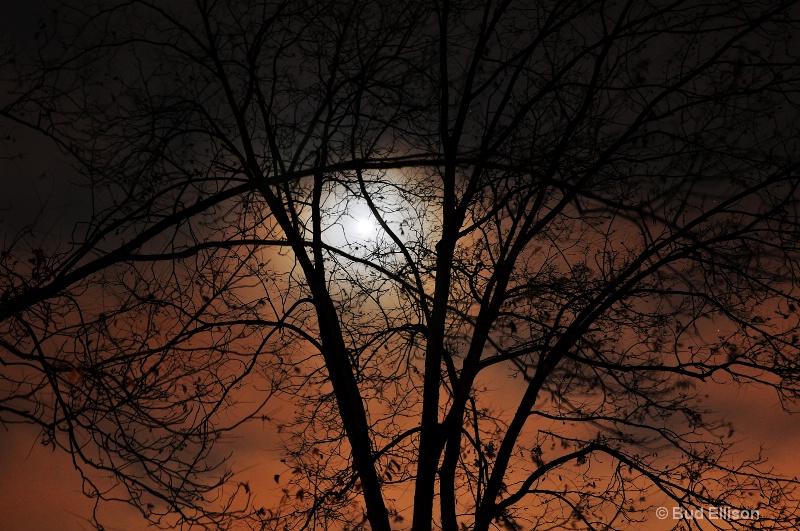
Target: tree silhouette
489,257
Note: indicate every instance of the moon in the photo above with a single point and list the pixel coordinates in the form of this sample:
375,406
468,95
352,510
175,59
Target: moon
366,225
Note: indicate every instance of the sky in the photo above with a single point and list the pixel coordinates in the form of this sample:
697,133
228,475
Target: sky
39,488
41,491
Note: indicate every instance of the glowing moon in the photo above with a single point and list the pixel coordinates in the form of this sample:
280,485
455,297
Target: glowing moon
366,225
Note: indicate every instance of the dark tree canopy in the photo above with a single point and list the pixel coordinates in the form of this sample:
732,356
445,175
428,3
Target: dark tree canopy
479,262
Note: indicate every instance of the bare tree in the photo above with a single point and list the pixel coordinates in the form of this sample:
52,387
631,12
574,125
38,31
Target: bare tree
376,212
